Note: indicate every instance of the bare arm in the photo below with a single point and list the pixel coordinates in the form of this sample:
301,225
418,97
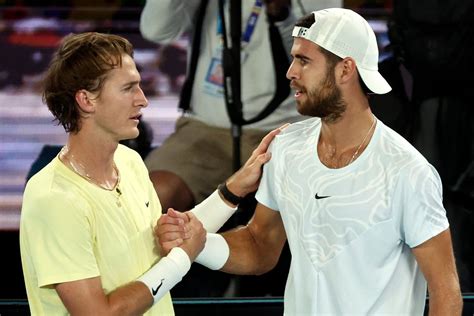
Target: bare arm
86,297
256,247
436,260
253,249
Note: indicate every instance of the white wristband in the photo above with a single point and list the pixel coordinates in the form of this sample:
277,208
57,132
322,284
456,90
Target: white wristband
166,273
213,212
215,252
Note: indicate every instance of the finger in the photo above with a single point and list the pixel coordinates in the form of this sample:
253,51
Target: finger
163,229
162,219
187,230
191,216
167,246
165,220
283,126
171,236
193,223
262,159
266,141
259,161
176,214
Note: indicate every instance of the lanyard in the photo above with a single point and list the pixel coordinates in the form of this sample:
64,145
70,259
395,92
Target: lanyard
251,22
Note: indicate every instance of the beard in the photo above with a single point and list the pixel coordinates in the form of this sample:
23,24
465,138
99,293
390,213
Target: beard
323,101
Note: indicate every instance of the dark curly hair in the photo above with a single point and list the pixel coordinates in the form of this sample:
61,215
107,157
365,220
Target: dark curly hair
82,61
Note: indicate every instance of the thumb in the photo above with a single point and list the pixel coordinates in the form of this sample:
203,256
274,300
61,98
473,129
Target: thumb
176,214
172,212
264,158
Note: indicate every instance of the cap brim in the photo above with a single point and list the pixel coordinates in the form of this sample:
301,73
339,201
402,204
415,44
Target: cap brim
374,81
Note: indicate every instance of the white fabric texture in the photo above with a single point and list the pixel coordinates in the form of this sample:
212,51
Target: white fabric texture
350,230
165,274
215,253
213,212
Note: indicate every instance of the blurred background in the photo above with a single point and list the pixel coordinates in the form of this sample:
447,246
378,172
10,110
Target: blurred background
29,34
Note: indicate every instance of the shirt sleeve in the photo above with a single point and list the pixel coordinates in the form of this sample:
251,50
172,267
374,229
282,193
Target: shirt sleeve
60,237
423,215
165,20
268,184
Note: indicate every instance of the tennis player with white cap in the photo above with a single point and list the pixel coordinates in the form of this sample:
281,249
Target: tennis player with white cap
361,208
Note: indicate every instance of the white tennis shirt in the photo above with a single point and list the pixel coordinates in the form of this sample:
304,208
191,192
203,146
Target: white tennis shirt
351,230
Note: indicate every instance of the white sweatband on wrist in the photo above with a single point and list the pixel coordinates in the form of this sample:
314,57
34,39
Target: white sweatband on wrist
213,212
166,273
215,252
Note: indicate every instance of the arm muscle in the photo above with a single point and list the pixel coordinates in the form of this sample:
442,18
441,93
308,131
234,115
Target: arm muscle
256,247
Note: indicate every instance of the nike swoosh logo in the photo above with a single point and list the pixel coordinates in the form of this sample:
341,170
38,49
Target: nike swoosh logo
147,203
318,197
155,291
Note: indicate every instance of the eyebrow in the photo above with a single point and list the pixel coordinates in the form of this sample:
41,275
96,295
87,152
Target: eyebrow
303,57
131,83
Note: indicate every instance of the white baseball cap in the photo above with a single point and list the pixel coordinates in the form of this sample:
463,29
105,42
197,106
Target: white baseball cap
346,34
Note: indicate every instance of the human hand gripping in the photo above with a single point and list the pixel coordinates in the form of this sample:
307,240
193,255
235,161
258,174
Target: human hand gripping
170,269
195,236
213,254
247,178
176,229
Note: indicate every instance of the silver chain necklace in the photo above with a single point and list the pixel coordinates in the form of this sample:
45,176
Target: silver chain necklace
363,141
80,170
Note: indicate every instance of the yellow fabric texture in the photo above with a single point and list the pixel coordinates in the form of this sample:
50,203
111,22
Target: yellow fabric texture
71,229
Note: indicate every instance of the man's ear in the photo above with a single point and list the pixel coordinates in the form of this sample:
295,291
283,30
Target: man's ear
348,69
85,101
